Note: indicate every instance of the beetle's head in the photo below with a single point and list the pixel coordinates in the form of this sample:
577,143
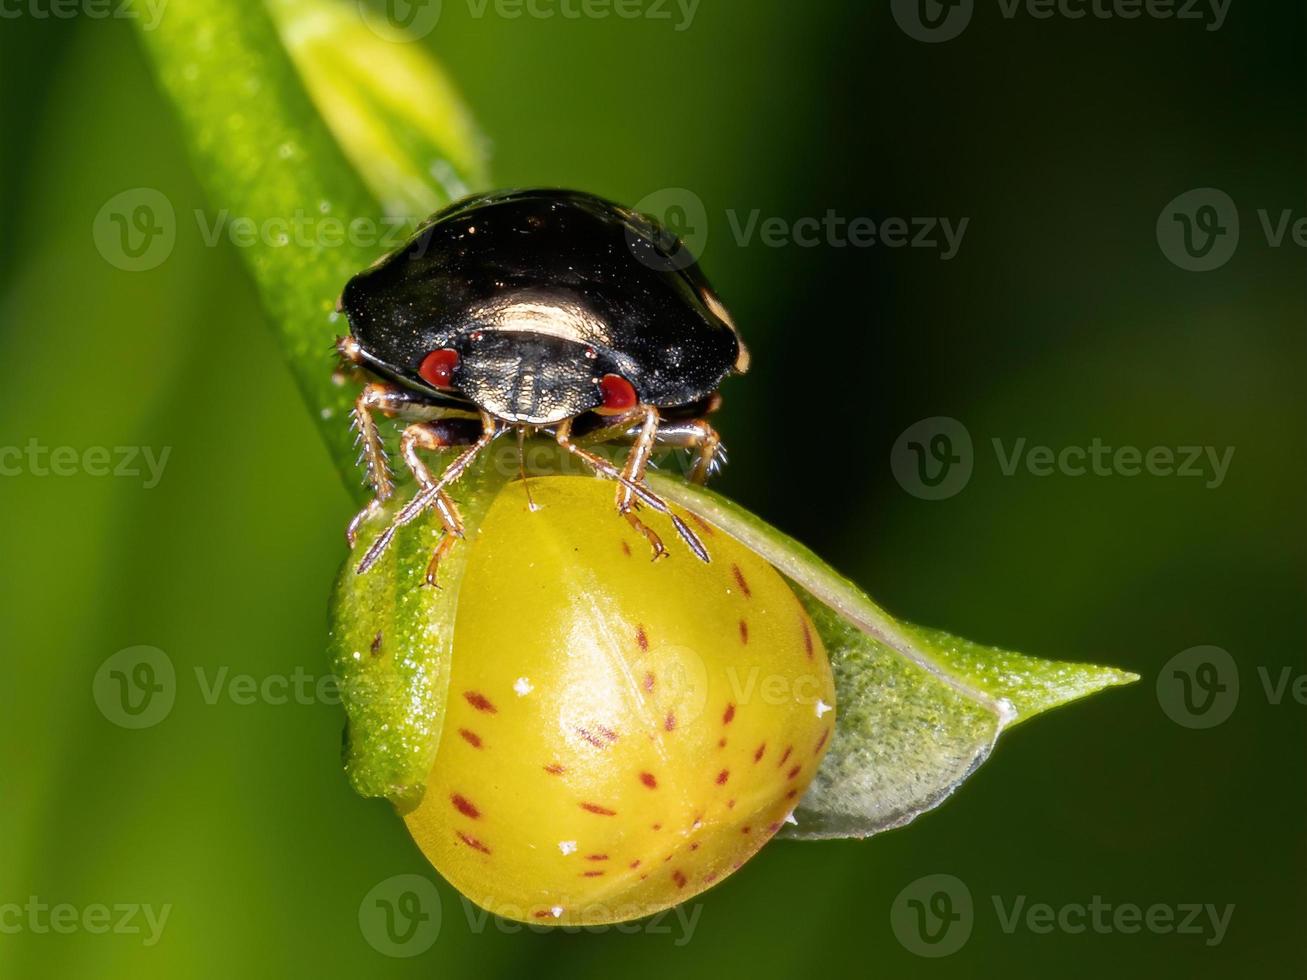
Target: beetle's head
525,377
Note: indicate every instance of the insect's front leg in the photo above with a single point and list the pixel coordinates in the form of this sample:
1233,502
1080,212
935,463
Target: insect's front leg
633,473
563,435
429,494
431,437
391,401
696,435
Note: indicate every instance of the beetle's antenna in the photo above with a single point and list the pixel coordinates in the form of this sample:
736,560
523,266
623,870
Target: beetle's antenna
521,467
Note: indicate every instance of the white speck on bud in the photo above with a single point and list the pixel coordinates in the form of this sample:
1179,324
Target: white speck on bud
789,818
556,911
822,708
567,846
523,687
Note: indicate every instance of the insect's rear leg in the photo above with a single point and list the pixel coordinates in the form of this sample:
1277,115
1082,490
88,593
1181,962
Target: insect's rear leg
389,400
695,435
699,437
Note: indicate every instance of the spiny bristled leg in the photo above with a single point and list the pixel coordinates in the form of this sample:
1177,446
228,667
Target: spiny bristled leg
372,450
391,401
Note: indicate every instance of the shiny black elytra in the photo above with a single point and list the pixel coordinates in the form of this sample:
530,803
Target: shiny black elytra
543,311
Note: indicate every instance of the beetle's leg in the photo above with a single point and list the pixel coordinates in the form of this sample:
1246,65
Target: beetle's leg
563,435
372,451
432,436
633,472
702,439
428,495
696,435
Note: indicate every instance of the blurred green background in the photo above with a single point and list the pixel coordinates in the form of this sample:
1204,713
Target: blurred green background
1059,320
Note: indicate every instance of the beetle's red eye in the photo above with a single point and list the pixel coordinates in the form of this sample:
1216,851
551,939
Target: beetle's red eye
437,368
618,394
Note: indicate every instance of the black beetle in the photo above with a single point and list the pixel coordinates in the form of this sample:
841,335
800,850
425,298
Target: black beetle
537,310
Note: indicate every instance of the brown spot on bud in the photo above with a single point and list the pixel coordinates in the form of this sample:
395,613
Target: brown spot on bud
479,701
464,806
741,581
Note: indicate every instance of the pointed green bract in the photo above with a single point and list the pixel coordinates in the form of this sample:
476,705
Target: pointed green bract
919,709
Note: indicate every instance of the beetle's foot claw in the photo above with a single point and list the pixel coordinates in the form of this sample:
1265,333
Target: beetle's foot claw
443,546
649,534
362,517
